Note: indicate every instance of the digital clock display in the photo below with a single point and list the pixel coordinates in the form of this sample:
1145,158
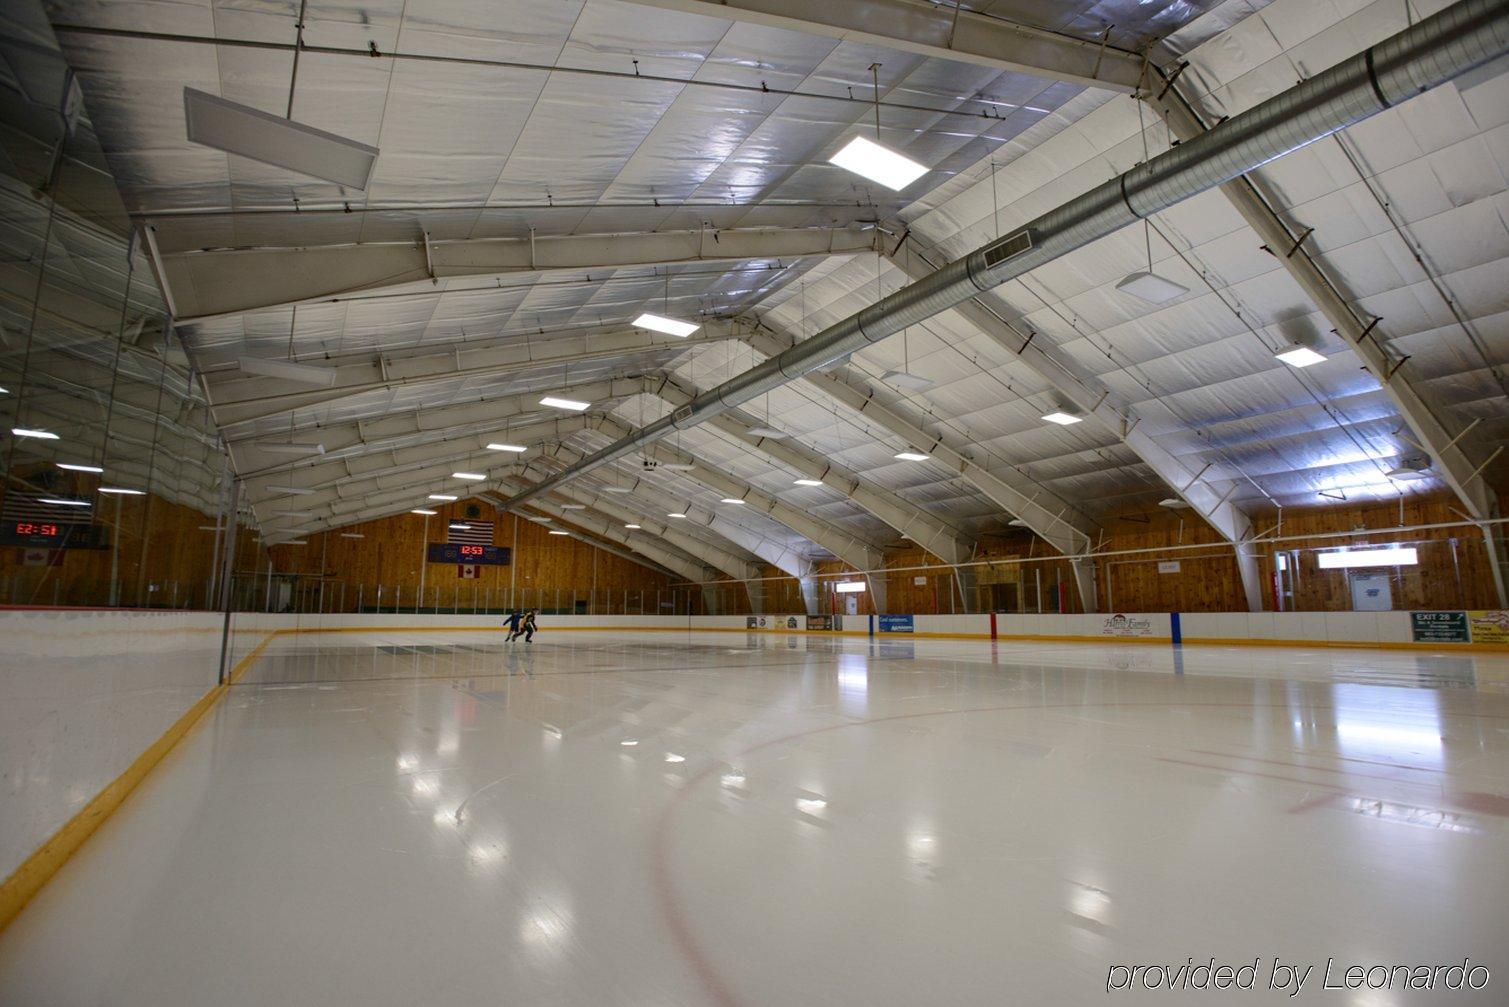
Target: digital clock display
455,552
37,529
471,550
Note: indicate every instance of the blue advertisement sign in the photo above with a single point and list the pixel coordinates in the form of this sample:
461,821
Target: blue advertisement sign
896,624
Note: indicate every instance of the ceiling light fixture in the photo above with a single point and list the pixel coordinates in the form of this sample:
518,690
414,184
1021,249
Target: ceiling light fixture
290,447
1062,418
731,500
287,370
121,491
670,326
679,467
555,402
1173,503
676,514
471,477
63,502
460,526
1017,522
632,527
573,506
878,163
1410,469
559,531
1368,557
807,482
1151,287
41,435
906,379
515,448
911,456
352,534
617,489
441,496
271,139
849,586
426,513
1296,355
71,467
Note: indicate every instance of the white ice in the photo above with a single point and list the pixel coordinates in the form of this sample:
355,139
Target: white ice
722,819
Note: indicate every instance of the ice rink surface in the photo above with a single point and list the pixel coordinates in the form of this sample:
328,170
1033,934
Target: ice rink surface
730,819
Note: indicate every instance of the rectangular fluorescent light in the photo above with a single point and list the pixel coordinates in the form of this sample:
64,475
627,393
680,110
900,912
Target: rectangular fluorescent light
573,506
290,447
352,534
1405,473
1062,418
71,467
849,586
287,370
1017,522
679,467
911,456
209,527
618,489
542,520
61,502
460,526
558,531
1299,356
878,163
632,527
426,513
272,139
731,500
297,491
41,435
1368,557
770,433
1173,503
515,448
676,514
440,496
670,326
905,379
807,482
556,402
292,541
471,477
121,492
1152,288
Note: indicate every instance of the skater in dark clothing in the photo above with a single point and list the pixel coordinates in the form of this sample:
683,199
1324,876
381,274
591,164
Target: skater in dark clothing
529,626
514,618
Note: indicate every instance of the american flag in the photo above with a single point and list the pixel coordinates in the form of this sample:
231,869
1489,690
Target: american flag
474,532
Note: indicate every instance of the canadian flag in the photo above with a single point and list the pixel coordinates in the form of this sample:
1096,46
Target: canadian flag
466,571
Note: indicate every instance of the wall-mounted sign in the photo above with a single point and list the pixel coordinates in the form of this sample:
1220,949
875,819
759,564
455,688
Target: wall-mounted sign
896,624
1438,627
919,581
825,623
481,555
1489,626
1169,566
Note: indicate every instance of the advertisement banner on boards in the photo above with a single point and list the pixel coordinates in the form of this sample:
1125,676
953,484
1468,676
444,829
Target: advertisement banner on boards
896,624
1490,626
1126,625
1438,627
825,623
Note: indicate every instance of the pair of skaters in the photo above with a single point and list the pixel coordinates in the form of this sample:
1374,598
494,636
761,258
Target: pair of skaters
521,624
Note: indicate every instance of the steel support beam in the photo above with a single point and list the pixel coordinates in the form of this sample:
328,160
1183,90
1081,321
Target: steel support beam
1050,517
207,284
239,399
1210,499
942,30
1415,405
901,514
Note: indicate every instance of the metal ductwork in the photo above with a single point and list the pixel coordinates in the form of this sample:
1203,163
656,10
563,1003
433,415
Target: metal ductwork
1448,44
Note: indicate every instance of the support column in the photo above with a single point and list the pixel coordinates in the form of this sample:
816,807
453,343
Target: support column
1084,581
811,596
1247,569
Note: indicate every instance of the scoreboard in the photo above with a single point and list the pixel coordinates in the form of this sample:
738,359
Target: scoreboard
455,552
37,534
